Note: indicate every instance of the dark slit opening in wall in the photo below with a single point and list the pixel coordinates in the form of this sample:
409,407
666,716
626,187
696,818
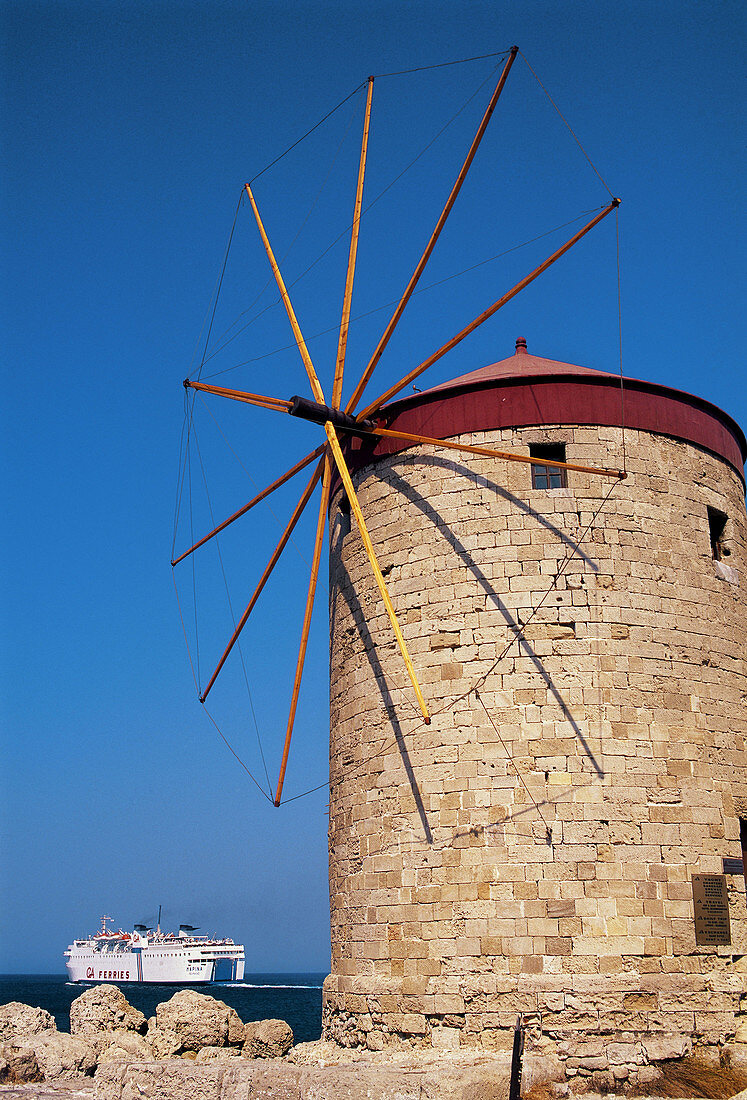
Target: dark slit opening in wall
716,527
344,507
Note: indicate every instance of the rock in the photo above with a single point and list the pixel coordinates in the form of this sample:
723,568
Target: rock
17,1019
18,1062
61,1055
267,1039
666,1047
736,1055
104,1008
541,1069
197,1021
122,1046
217,1054
164,1044
320,1052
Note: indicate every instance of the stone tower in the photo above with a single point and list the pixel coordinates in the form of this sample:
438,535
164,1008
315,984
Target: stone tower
581,645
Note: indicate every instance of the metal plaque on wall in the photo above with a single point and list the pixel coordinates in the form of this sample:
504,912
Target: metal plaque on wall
711,902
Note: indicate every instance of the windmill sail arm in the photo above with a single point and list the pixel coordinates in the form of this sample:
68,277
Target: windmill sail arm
417,371
365,378
321,522
300,465
301,343
297,512
276,403
355,231
378,576
603,471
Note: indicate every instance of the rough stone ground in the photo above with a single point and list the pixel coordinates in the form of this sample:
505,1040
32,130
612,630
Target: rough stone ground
397,1076
87,1091
48,1090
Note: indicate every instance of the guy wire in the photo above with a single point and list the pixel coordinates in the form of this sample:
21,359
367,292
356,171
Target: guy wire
220,284
388,305
379,76
568,127
442,64
230,748
233,616
348,227
308,132
511,760
620,338
390,742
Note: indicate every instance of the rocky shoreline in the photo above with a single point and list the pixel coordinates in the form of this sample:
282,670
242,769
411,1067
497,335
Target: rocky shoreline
197,1048
105,1030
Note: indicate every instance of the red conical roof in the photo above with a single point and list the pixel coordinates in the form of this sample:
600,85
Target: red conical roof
530,391
521,365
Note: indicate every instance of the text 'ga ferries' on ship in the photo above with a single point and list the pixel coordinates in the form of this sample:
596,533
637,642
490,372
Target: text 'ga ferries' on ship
144,955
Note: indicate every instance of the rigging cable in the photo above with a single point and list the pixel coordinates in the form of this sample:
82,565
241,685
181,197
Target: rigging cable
390,743
207,712
234,753
224,335
188,408
180,476
184,631
233,616
348,227
419,290
220,283
381,76
182,470
620,339
443,64
511,760
568,126
194,572
308,132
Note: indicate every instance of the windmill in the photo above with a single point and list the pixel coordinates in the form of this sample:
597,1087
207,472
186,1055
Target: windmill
529,834
340,425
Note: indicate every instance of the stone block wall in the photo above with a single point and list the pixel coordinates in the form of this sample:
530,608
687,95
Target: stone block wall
583,658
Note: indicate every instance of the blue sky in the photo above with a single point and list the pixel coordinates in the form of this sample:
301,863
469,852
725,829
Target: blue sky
128,131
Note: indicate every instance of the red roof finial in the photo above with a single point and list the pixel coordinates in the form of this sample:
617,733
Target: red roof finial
521,346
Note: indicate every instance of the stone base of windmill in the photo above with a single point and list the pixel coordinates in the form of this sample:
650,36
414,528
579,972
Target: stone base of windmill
611,1029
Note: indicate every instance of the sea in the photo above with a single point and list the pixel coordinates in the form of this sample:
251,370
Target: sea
295,998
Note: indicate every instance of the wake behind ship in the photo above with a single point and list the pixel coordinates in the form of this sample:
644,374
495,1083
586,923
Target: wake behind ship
144,955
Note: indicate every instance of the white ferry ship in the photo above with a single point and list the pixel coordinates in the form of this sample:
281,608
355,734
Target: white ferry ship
145,955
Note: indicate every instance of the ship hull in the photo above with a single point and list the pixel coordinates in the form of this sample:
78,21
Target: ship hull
162,966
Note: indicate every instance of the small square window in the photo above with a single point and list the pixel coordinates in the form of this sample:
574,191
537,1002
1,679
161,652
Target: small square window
547,476
716,527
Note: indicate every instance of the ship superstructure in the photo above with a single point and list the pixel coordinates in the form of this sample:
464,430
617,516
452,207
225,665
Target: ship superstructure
147,955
